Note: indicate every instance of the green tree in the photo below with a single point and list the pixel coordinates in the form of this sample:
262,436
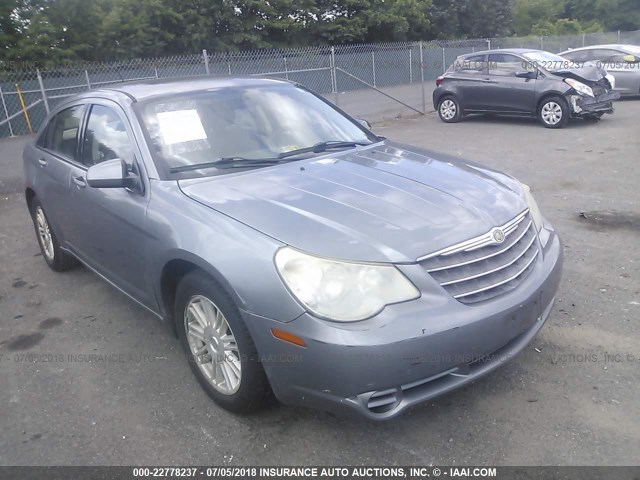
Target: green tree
528,13
137,28
470,18
8,29
340,21
564,26
484,18
76,33
396,20
619,14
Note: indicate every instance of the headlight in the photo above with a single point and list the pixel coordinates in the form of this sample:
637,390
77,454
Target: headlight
579,87
342,291
538,219
612,80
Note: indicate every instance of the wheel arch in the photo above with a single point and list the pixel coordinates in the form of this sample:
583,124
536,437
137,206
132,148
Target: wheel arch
446,94
29,195
174,269
553,93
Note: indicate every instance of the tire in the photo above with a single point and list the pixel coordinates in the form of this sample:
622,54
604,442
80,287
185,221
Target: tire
56,258
199,303
553,112
449,109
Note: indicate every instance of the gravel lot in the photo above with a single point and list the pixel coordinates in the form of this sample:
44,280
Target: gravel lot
571,398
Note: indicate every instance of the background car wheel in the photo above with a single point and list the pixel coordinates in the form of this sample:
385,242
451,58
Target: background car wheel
449,109
57,260
221,353
553,112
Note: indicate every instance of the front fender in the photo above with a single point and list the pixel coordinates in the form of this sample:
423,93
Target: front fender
237,256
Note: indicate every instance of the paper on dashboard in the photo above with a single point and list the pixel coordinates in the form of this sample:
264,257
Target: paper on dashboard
180,126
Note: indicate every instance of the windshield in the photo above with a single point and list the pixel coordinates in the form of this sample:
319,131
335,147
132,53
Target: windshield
549,61
245,123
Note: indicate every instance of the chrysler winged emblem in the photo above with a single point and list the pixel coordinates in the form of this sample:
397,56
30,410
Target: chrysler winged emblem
498,235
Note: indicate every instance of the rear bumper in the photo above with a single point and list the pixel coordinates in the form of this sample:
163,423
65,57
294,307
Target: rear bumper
415,351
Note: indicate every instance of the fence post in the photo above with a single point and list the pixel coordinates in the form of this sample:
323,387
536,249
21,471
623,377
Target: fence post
618,36
332,67
410,66
44,94
488,44
206,61
286,69
6,112
584,35
541,43
444,61
86,76
424,101
373,66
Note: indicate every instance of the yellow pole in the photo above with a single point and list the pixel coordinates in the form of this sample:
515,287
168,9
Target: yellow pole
24,109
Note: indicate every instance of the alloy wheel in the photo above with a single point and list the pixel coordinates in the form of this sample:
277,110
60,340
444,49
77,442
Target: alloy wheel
44,234
213,344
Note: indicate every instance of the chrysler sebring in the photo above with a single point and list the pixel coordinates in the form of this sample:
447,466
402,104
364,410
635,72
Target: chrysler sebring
290,249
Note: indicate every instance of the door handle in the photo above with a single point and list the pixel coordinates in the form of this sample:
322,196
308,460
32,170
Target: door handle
42,162
79,181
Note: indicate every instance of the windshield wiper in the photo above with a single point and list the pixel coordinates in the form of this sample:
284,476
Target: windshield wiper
241,162
230,162
323,147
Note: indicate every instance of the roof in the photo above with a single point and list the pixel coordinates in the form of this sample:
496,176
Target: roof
618,46
140,90
516,51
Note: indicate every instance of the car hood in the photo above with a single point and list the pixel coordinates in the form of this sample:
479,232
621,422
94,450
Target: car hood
589,72
380,203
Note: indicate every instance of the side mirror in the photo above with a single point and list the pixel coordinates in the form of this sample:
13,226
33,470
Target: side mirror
109,174
630,59
364,123
527,74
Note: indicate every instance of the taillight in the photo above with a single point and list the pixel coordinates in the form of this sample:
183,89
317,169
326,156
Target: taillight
439,81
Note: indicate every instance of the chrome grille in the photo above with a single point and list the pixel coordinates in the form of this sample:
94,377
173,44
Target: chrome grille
480,269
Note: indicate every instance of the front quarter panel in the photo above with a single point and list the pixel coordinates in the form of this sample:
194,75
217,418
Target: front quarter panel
237,256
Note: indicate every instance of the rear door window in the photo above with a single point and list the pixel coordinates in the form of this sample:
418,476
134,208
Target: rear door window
61,135
579,56
473,65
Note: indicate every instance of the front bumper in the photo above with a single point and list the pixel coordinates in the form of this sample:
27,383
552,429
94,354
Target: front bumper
584,106
410,352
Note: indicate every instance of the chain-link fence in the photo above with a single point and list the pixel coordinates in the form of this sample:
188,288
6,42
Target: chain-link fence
396,71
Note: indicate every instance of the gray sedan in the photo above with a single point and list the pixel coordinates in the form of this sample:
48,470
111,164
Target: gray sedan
291,249
620,61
